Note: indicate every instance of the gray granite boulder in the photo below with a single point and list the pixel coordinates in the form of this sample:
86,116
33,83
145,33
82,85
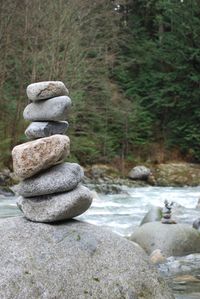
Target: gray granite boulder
45,90
45,129
171,239
59,178
31,157
54,109
154,214
139,173
56,207
73,260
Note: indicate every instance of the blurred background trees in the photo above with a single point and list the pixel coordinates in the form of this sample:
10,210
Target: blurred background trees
132,68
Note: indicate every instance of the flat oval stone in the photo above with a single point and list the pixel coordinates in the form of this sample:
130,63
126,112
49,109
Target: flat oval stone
54,109
31,157
59,178
45,129
45,90
55,207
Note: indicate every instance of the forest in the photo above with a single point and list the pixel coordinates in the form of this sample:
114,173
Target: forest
132,68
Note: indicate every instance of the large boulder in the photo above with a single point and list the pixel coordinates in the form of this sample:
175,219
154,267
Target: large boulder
56,207
45,90
60,178
31,157
139,173
154,214
73,260
172,239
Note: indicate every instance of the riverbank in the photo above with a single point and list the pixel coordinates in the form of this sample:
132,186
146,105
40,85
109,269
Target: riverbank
109,179
176,174
123,213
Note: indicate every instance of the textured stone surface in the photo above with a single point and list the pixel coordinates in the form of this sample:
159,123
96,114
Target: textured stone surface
59,178
157,257
139,173
45,129
172,239
54,109
73,260
154,214
45,90
55,207
31,157
177,174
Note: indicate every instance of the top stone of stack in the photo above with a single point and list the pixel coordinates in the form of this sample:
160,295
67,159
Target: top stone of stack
45,90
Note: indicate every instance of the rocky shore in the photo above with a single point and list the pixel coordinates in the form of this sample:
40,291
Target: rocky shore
107,179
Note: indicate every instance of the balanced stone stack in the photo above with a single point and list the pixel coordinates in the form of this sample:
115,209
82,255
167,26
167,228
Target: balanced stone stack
166,213
50,190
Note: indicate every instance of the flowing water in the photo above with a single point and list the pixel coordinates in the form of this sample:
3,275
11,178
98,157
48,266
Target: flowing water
122,213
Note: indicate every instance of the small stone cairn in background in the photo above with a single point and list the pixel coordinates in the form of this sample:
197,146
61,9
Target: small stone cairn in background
166,213
50,190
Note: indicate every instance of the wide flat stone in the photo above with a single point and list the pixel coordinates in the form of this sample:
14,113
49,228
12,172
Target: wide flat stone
59,178
31,157
45,90
45,129
73,260
172,239
56,207
54,109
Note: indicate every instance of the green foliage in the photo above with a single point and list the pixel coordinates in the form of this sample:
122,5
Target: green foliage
134,81
159,69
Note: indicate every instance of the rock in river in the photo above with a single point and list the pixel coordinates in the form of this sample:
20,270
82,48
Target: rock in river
31,157
154,214
172,239
45,129
56,207
73,260
54,109
139,173
45,90
59,178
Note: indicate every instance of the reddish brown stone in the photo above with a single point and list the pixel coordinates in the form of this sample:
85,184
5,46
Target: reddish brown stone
32,157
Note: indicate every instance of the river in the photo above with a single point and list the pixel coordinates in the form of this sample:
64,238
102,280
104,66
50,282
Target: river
122,213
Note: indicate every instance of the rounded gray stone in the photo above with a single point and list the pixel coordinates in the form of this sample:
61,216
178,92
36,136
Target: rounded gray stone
172,239
59,178
139,173
45,129
54,109
154,214
56,207
73,260
45,90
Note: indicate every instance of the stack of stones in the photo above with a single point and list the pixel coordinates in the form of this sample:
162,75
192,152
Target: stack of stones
167,213
50,190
